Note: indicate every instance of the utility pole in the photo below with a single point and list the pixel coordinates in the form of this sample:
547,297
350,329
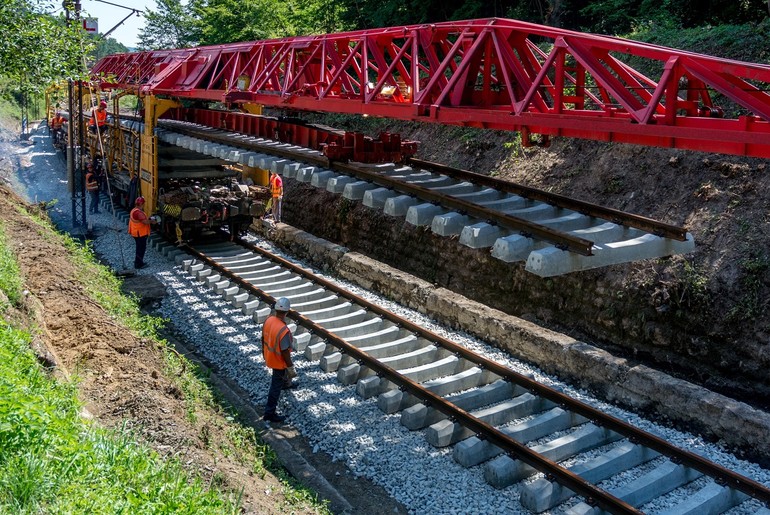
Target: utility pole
75,181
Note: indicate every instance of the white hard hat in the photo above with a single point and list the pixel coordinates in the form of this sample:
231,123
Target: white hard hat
282,304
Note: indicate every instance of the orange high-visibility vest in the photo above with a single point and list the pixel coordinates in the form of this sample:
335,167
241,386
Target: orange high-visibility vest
91,183
276,186
100,117
273,332
137,229
57,122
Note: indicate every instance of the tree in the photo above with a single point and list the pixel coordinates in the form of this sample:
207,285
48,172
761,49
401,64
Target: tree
620,16
228,21
173,25
107,46
316,17
38,49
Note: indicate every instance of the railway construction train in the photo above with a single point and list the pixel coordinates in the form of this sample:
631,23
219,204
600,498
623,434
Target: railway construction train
190,192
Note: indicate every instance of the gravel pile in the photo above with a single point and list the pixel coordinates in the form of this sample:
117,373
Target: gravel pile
332,417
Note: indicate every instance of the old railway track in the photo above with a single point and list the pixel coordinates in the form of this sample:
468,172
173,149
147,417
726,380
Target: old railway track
491,414
551,233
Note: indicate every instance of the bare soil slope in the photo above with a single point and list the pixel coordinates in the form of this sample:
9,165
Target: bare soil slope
121,377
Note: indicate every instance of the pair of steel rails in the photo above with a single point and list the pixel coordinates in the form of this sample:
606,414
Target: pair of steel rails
589,491
559,239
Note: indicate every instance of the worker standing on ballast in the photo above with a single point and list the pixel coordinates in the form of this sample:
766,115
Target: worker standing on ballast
57,128
98,118
276,348
139,228
276,188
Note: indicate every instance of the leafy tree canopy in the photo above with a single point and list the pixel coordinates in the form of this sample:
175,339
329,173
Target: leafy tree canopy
109,46
225,21
171,26
181,23
37,48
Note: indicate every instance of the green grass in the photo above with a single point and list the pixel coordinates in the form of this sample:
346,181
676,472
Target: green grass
10,278
52,461
9,109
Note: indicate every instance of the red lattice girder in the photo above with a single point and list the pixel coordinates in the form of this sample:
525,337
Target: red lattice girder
492,73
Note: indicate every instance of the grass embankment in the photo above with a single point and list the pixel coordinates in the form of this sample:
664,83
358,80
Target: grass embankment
51,460
54,461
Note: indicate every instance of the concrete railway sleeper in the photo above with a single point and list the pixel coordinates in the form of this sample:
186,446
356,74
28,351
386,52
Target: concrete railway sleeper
504,421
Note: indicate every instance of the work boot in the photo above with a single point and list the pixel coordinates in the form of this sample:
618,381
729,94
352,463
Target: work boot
274,417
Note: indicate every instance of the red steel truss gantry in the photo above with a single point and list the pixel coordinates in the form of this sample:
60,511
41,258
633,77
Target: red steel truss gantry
490,73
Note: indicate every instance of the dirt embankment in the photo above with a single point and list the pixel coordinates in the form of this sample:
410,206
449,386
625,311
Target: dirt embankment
703,316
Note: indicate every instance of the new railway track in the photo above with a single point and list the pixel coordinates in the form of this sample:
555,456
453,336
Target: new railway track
492,415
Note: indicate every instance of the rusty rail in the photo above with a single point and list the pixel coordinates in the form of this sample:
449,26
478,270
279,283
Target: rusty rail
560,239
512,447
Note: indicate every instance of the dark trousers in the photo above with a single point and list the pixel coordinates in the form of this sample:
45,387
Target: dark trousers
94,207
141,248
276,385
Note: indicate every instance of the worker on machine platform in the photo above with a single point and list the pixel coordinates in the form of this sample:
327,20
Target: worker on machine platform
98,118
276,188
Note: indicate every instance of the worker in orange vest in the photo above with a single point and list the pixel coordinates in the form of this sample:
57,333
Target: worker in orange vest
276,348
98,117
139,227
57,121
92,186
57,124
276,188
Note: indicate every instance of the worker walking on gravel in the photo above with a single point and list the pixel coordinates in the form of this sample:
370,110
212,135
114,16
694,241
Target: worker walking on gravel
139,227
57,129
276,348
276,188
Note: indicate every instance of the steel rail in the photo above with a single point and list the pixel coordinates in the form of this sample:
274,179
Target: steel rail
619,217
560,239
720,474
594,210
513,448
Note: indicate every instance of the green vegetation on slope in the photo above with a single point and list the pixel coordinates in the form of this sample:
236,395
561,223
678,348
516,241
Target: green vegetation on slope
10,279
51,460
54,461
748,42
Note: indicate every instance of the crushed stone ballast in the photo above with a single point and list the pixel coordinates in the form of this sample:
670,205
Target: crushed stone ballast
487,411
